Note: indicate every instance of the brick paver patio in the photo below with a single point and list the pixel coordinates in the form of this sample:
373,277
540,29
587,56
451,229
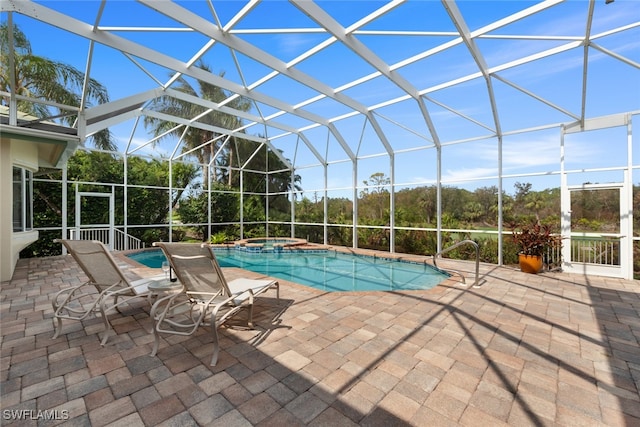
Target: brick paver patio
548,349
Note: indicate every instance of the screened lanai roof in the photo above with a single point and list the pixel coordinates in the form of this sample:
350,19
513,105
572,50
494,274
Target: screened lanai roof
343,80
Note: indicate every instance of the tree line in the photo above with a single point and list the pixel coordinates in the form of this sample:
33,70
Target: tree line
149,204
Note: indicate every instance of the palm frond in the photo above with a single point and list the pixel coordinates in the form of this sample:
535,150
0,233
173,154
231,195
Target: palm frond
42,78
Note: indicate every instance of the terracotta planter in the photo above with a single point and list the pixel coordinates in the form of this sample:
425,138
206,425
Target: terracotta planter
530,263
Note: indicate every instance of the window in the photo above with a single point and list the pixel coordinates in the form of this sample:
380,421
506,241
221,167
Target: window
22,199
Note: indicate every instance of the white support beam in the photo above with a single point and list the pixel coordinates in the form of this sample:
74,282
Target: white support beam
203,26
585,61
463,29
185,17
50,16
325,20
203,126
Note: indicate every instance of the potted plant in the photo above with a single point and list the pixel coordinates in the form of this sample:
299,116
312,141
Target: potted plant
533,240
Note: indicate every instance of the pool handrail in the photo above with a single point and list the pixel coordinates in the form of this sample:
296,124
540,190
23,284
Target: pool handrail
455,245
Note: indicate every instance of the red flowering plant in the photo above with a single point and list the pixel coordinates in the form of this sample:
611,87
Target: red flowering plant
534,238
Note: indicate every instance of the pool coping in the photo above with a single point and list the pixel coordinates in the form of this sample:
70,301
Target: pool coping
279,243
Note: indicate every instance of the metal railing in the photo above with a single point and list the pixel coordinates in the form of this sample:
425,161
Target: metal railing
601,250
121,241
455,245
552,257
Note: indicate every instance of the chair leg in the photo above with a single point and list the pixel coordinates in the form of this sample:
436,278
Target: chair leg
107,325
156,342
115,304
105,337
216,346
250,316
57,327
57,321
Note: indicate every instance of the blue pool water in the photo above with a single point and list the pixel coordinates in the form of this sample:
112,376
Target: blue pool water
328,271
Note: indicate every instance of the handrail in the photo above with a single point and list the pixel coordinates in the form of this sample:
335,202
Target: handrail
127,241
122,241
455,245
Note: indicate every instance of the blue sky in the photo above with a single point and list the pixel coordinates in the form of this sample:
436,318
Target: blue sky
613,86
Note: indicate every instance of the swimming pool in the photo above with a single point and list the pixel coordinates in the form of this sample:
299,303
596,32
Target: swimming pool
328,271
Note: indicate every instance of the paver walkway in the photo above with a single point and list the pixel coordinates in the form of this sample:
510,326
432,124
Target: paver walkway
549,349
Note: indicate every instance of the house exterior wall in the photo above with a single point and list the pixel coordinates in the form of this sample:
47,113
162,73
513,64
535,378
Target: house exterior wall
25,155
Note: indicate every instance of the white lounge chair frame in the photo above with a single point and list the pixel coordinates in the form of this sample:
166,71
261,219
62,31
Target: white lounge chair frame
114,289
205,293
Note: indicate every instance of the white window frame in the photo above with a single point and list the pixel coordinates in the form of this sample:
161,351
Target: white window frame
25,197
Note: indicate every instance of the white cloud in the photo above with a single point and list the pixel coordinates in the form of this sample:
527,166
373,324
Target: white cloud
525,154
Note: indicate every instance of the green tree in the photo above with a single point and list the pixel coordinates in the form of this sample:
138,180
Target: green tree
535,201
224,208
307,211
206,143
257,195
340,210
487,198
374,201
263,170
427,202
147,203
42,78
277,180
453,201
473,211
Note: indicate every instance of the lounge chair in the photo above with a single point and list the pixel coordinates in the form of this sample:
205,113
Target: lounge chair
207,299
114,289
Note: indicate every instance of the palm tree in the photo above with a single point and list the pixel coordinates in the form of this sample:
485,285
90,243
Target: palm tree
235,153
42,78
195,137
263,160
535,201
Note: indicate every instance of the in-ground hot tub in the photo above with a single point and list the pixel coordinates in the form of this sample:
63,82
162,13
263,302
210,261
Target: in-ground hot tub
259,244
